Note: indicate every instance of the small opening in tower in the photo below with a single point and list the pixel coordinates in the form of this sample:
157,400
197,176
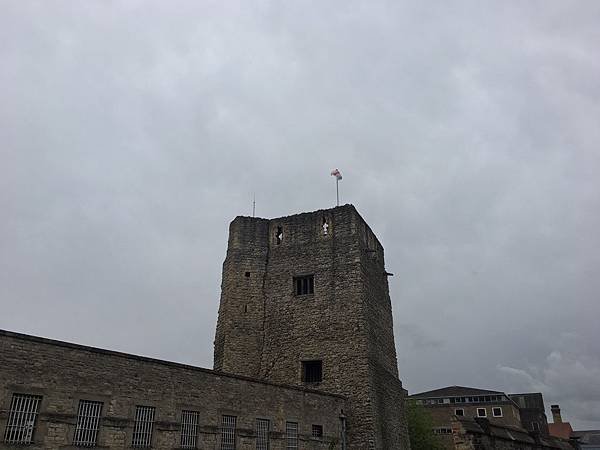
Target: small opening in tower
317,431
312,371
325,227
279,235
247,274
304,285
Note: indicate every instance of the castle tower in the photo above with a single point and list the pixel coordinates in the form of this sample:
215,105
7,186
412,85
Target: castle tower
305,302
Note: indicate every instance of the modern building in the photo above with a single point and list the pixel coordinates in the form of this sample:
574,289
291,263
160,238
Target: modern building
304,358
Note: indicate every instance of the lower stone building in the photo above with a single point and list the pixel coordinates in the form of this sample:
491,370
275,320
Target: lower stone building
57,395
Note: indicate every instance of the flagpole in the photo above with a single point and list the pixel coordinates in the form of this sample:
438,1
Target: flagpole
337,190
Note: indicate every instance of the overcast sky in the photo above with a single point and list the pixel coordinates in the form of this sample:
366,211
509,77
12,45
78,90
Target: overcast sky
468,134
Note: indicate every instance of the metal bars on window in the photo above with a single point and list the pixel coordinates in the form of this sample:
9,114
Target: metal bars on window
88,423
189,429
22,418
291,436
144,423
262,434
228,432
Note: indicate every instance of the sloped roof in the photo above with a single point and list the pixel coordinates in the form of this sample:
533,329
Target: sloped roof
455,391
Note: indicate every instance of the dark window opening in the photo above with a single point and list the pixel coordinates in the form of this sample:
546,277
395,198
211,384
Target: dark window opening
312,371
459,412
247,274
279,235
304,285
317,431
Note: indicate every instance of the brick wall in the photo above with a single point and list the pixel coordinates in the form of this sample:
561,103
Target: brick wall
63,374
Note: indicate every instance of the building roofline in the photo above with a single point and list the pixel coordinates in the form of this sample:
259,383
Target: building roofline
435,393
102,351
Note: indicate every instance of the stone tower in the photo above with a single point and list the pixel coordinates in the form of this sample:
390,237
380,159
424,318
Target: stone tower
305,302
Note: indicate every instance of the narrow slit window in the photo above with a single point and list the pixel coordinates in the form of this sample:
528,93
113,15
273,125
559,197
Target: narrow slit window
279,235
262,434
22,418
143,427
228,432
312,371
88,423
304,285
291,436
325,227
189,428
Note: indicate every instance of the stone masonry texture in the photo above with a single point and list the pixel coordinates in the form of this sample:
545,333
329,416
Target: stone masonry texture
63,374
265,330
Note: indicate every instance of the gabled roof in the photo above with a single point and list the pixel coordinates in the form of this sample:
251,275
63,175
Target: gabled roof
455,391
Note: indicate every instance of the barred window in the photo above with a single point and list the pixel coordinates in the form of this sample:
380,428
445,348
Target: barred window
22,417
228,432
262,434
144,423
189,429
317,431
304,285
312,371
88,422
291,436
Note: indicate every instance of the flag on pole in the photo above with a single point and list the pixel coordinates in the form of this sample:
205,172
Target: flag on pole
337,174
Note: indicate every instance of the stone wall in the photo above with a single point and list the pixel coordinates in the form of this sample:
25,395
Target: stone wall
63,374
266,330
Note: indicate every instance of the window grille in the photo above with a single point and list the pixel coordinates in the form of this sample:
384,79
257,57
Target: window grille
22,418
189,429
304,285
228,432
291,436
262,434
144,423
88,422
317,431
312,371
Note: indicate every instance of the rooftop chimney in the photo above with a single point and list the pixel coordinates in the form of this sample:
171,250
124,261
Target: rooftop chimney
556,418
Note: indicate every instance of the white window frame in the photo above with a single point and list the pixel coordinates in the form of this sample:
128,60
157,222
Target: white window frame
189,428
494,408
89,413
459,409
291,435
143,428
22,418
228,432
484,412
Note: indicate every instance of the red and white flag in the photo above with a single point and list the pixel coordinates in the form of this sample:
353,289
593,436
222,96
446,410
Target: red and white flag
337,174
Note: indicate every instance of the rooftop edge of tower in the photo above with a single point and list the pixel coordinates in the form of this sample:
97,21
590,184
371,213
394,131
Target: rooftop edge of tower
350,208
